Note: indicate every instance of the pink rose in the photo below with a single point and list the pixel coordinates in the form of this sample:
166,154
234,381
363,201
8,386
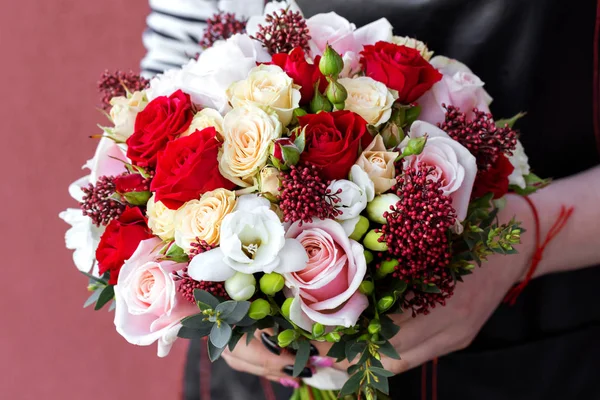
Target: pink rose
109,160
149,308
344,38
459,88
326,290
454,165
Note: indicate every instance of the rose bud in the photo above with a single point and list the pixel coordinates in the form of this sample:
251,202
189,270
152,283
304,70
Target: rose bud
259,309
271,283
269,183
240,287
331,63
284,153
336,93
362,226
380,205
319,102
372,242
414,146
134,188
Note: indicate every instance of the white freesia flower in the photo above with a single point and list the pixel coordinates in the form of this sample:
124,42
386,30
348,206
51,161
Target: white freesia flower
354,196
520,161
252,240
207,79
370,99
240,286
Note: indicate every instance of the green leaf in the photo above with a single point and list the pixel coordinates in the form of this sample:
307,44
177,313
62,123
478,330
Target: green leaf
112,306
300,141
93,298
388,328
176,253
190,333
107,294
381,383
352,385
353,349
246,321
430,288
206,298
510,121
214,352
197,321
412,114
353,369
533,183
137,198
235,338
387,349
381,372
239,311
301,357
95,278
337,351
250,334
220,334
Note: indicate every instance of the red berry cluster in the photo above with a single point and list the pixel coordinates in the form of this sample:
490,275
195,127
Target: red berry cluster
113,84
284,31
186,286
480,135
199,247
416,233
97,202
304,195
221,26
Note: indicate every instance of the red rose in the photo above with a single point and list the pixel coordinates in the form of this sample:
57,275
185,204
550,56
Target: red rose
400,68
163,119
333,141
303,73
120,240
494,180
187,168
130,183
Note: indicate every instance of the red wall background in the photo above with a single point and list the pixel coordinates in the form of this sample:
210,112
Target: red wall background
52,53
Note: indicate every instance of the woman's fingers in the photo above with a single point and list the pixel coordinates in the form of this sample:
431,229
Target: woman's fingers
256,359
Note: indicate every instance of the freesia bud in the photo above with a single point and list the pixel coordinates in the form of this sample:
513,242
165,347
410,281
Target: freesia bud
259,309
368,256
362,226
336,93
386,267
318,330
286,337
380,205
371,241
333,337
240,287
271,283
366,288
385,303
414,146
331,63
285,307
374,327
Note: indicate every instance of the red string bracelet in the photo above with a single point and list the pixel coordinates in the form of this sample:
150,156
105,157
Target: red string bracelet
559,224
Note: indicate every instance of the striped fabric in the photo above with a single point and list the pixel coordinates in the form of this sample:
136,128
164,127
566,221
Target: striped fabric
174,28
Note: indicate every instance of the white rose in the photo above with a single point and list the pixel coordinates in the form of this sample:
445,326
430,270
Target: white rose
248,132
370,99
202,218
206,80
520,161
161,219
413,44
267,86
206,118
123,114
252,240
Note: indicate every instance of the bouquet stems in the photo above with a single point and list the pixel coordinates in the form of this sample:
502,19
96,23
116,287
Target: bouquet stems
305,392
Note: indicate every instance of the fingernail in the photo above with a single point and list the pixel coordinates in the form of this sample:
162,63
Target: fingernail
313,351
321,362
306,372
270,344
287,382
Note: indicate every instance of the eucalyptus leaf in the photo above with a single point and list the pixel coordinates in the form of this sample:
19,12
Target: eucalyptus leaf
301,357
206,298
107,294
225,308
337,351
197,321
354,349
352,385
238,313
214,352
191,333
235,338
246,321
381,372
220,334
95,278
510,121
93,298
112,306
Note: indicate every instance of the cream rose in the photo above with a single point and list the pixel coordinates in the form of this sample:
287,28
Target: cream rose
123,113
204,119
161,220
370,99
269,182
202,218
378,163
247,133
413,44
269,86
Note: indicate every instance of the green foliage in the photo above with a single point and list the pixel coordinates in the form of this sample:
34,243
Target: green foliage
533,183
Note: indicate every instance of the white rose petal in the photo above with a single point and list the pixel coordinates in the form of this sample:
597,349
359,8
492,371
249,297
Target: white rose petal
161,219
520,162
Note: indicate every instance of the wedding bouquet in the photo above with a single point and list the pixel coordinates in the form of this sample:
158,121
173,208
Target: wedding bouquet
300,175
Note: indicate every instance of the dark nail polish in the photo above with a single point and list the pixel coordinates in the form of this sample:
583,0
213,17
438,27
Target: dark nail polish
313,351
289,370
271,345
